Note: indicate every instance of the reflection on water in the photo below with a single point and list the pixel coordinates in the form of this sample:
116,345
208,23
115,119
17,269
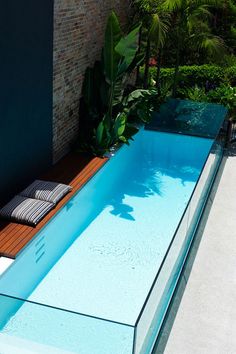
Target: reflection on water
147,182
188,117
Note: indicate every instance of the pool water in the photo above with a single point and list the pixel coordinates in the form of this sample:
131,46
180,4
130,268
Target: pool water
116,233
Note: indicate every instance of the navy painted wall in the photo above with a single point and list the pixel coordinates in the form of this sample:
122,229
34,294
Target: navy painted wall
26,64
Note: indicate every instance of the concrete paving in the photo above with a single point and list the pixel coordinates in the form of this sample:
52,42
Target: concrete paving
202,318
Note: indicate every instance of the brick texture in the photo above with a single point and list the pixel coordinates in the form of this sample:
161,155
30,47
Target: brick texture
78,38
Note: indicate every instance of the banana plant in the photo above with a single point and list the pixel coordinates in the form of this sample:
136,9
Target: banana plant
119,56
104,87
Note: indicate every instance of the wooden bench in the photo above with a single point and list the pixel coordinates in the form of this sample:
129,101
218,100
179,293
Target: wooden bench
75,170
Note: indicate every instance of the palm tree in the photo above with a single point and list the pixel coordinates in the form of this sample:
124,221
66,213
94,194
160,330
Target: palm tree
190,20
157,35
224,23
155,27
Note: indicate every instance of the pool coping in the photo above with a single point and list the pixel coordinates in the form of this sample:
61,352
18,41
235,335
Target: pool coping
14,238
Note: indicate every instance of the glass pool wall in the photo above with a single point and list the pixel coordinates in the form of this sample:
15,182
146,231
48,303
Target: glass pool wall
152,315
46,329
52,328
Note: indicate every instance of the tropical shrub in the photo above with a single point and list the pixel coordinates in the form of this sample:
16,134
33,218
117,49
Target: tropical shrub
231,75
195,93
225,95
139,105
207,76
108,106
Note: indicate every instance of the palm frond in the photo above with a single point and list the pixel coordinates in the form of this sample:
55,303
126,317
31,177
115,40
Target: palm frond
158,30
233,32
214,45
173,5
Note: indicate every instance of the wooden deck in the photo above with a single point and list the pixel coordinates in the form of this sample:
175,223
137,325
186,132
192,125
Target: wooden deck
75,170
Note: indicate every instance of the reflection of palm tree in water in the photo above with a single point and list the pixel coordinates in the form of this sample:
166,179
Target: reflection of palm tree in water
185,116
146,183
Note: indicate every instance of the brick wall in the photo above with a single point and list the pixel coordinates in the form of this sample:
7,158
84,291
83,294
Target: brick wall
78,37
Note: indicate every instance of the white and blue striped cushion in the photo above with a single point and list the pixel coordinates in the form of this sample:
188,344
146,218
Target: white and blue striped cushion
51,192
26,210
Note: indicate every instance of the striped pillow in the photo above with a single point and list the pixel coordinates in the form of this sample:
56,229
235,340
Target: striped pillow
47,191
26,210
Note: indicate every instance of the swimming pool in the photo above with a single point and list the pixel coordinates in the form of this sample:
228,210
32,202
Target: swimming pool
99,277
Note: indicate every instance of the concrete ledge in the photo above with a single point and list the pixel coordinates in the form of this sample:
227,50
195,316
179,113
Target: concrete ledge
202,317
4,264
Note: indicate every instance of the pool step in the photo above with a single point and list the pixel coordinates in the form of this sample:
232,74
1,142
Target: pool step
4,264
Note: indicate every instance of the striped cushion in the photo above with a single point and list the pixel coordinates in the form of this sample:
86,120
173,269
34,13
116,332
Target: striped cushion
47,191
26,210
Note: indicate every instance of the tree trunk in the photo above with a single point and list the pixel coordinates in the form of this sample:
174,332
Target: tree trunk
158,82
139,51
147,59
176,75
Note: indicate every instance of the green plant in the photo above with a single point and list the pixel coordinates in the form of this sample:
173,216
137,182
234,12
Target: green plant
140,104
206,76
155,26
190,21
225,95
195,93
224,23
105,121
230,73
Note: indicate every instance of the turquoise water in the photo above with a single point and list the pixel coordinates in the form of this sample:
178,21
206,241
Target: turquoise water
121,225
189,118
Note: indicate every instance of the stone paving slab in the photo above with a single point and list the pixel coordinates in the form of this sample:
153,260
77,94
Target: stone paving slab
202,319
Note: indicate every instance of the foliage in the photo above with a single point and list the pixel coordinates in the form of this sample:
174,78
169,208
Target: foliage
195,93
155,26
225,95
107,107
174,27
231,74
206,76
224,23
191,26
142,103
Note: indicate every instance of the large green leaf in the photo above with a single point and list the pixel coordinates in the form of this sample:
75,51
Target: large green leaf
119,125
138,61
99,133
137,94
111,58
118,90
127,48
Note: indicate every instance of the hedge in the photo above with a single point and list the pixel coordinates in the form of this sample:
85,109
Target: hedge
209,76
231,75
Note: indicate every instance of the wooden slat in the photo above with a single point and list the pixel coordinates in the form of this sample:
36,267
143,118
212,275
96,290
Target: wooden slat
75,170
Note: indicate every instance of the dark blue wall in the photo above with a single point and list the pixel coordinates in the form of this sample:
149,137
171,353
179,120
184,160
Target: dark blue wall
26,56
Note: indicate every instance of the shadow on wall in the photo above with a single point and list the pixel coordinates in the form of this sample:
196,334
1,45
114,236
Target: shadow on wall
26,41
